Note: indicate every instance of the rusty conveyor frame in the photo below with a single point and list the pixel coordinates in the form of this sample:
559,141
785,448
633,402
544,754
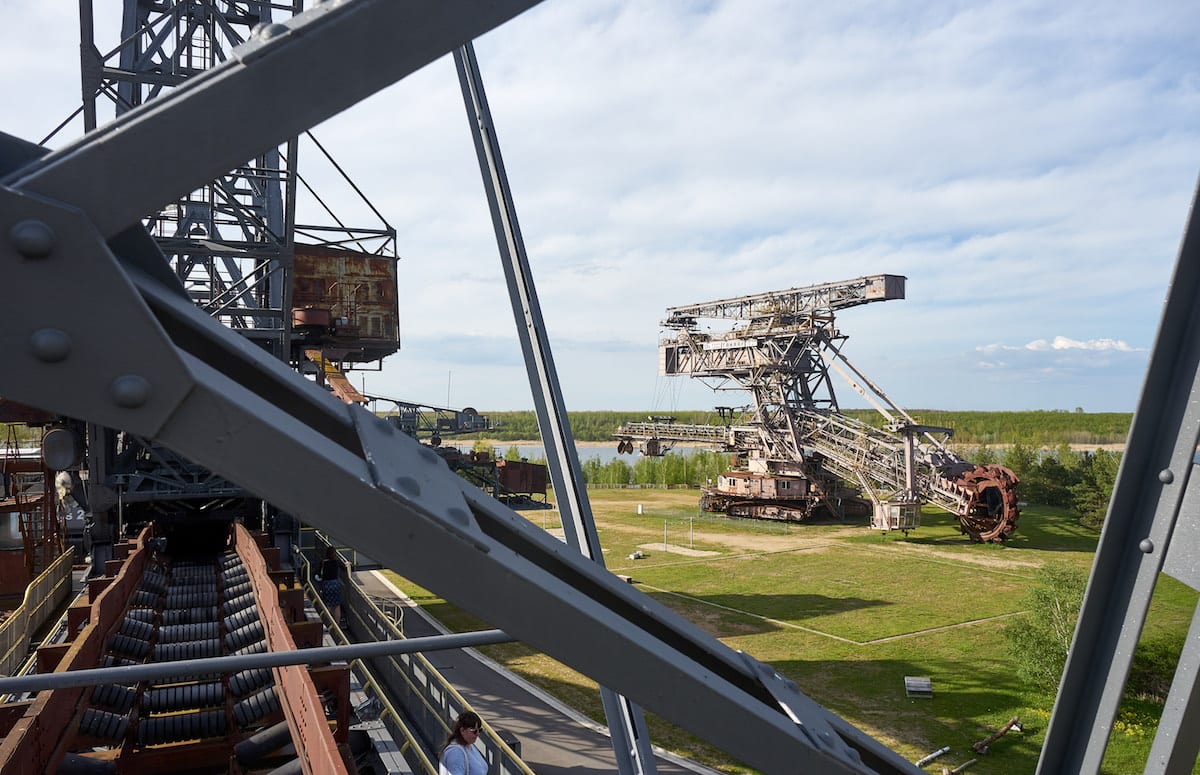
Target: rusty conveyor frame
38,740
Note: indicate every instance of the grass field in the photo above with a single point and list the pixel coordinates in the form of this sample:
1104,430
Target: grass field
847,614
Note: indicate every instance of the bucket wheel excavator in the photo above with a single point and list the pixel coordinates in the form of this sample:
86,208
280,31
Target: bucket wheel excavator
796,453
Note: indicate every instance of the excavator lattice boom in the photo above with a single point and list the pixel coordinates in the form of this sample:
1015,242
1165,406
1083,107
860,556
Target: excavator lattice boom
796,452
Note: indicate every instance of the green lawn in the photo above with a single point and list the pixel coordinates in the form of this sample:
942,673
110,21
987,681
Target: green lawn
847,614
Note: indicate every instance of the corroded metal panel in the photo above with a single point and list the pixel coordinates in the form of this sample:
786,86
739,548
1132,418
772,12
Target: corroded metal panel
885,286
346,300
37,742
520,477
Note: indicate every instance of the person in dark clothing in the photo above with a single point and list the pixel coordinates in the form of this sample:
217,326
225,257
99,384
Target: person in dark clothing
331,583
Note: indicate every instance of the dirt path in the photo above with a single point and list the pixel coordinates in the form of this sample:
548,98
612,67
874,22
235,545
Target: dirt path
934,554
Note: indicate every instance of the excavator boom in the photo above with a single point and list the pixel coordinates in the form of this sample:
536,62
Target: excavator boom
782,349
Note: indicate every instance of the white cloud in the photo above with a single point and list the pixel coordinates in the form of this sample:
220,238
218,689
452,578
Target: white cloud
1026,164
1060,343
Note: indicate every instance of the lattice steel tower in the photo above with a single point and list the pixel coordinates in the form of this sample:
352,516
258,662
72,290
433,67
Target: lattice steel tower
230,243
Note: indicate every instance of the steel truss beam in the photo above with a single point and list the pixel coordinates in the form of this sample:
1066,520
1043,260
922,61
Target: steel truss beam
816,301
124,348
1152,526
228,240
350,474
630,738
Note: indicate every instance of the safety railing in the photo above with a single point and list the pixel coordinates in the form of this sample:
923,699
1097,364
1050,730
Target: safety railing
311,539
43,596
417,704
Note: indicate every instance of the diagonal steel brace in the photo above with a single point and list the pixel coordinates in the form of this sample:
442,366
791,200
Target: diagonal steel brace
141,357
122,347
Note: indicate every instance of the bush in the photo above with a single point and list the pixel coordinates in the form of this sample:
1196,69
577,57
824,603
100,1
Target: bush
1153,668
1039,642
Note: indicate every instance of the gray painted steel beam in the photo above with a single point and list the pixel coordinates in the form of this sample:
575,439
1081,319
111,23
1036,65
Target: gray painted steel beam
1138,530
630,738
121,349
290,77
1177,741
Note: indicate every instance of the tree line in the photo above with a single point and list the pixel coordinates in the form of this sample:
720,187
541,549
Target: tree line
1061,476
1055,476
694,469
1036,428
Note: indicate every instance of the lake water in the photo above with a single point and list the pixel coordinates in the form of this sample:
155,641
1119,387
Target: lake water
606,453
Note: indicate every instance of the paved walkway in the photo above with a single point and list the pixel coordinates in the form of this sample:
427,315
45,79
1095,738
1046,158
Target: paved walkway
555,739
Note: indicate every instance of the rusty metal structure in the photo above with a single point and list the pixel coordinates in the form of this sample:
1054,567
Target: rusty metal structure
799,454
162,601
516,483
344,304
320,297
128,349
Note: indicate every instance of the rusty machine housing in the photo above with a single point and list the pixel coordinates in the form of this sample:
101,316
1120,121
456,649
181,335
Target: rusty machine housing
344,304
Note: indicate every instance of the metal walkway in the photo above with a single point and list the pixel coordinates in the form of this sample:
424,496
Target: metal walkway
555,740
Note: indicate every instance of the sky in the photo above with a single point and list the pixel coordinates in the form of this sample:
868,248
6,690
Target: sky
1028,166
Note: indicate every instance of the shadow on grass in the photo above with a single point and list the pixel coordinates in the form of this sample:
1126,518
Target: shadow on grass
965,708
1051,529
725,615
789,605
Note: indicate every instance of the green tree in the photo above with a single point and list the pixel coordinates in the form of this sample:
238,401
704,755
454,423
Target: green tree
616,471
592,470
647,470
1090,496
513,453
984,456
1021,459
1039,641
1050,481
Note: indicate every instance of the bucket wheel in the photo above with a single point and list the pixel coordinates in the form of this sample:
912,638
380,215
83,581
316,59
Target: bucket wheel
992,513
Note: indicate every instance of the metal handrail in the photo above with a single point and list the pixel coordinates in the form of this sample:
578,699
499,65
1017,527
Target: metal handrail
42,596
491,738
358,665
410,740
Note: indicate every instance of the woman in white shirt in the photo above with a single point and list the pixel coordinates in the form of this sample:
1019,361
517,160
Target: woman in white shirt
459,754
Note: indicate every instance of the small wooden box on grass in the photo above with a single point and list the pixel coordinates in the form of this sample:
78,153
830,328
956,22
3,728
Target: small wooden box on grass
918,686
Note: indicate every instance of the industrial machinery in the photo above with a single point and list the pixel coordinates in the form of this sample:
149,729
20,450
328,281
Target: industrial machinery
156,367
429,423
517,483
126,348
797,452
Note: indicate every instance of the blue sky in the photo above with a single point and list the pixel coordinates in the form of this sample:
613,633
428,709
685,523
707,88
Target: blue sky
1028,166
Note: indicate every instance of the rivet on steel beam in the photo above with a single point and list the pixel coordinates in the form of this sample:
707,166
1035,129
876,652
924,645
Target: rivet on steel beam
49,345
429,455
32,239
1165,476
268,31
130,391
409,486
1147,546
